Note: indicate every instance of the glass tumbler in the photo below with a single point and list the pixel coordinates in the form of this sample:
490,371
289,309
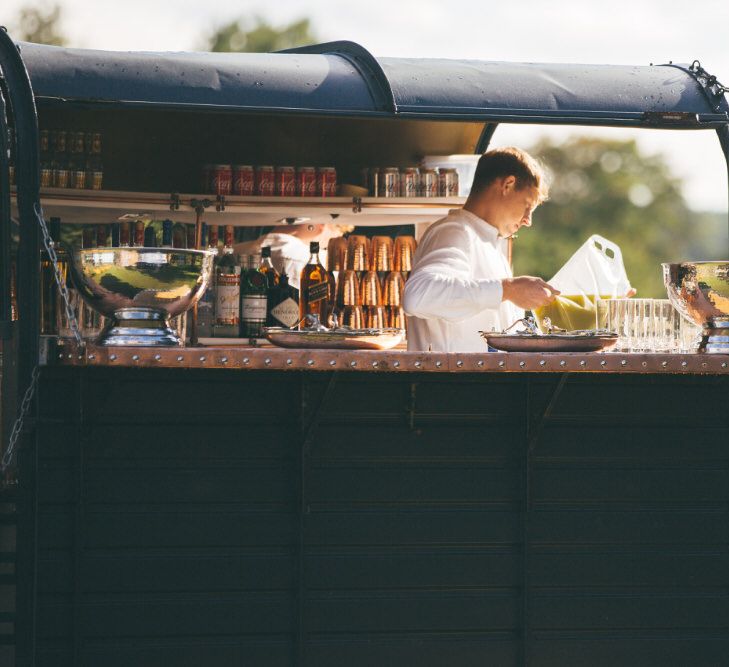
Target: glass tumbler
664,325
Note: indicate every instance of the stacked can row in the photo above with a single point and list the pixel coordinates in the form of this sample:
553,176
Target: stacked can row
369,279
269,181
410,182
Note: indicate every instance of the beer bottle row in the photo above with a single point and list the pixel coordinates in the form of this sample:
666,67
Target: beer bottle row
71,159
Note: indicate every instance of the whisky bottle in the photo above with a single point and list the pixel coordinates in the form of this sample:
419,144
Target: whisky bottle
150,236
253,299
272,281
227,291
283,305
314,297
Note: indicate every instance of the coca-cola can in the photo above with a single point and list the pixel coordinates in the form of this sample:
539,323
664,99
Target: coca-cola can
409,182
205,178
429,183
222,179
286,181
306,182
447,182
326,182
265,181
390,182
243,180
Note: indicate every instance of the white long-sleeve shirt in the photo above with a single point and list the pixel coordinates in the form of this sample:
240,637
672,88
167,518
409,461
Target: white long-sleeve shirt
454,290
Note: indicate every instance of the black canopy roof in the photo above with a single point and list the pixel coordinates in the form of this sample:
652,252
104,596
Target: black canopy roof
342,78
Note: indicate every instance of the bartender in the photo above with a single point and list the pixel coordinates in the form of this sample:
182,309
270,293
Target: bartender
461,282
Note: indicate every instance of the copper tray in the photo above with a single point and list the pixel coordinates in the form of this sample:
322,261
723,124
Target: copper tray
353,339
555,342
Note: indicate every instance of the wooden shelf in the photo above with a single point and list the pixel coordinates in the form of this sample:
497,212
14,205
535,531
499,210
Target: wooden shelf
94,206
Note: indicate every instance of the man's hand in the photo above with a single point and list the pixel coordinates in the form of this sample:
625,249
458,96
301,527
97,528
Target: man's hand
528,292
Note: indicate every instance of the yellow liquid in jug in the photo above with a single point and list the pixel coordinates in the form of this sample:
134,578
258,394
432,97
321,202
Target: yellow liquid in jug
570,312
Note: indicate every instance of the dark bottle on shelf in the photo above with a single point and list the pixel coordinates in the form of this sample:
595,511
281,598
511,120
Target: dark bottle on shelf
102,236
88,236
179,235
49,290
60,160
167,233
283,310
190,239
314,296
227,291
213,237
253,299
77,161
150,236
116,234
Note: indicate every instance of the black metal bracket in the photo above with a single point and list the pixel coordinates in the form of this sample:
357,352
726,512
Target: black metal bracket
200,205
356,204
712,89
174,202
220,203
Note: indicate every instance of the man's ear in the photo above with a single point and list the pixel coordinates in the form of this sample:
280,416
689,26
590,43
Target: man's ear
508,184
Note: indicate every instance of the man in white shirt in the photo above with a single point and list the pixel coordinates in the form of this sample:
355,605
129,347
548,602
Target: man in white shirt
461,282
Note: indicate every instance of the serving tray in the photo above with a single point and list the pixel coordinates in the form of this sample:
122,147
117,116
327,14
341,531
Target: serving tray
555,342
339,339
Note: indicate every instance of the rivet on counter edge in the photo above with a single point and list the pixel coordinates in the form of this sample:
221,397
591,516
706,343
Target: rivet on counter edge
157,357
135,357
352,363
438,364
332,363
603,363
180,358
522,364
583,363
501,364
70,356
644,364
684,363
374,364
289,362
480,363
267,362
418,364
563,363
542,363
112,357
723,364
224,360
396,364
664,364
246,360
60,356
202,358
310,362
459,363
624,362
93,356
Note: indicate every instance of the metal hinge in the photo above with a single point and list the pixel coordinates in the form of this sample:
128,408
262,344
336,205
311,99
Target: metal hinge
174,202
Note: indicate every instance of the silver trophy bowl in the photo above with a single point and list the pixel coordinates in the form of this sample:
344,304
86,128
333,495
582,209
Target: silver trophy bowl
699,291
140,289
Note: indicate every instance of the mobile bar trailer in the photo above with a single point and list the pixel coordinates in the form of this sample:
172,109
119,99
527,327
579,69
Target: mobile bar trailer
228,505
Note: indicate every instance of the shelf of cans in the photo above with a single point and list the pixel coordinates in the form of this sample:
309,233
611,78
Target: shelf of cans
409,182
269,180
68,159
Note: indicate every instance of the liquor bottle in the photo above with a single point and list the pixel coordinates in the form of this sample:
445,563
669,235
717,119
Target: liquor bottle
88,236
213,237
179,235
77,162
227,291
46,159
190,236
314,297
94,164
253,299
167,233
102,236
150,236
203,235
272,282
206,304
116,235
138,233
284,305
49,289
60,160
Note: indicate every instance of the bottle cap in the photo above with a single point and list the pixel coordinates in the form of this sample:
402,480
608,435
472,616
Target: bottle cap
314,247
266,251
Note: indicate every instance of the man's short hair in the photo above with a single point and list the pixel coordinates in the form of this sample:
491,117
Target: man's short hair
511,161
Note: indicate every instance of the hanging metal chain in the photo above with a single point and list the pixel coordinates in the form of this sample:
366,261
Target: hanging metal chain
50,247
18,426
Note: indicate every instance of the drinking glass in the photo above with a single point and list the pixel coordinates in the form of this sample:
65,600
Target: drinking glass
643,325
664,325
618,321
689,336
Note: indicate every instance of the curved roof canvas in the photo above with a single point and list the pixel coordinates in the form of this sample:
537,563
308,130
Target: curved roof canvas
342,78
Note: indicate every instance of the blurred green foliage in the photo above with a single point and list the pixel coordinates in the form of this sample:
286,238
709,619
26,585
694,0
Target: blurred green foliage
261,37
40,25
609,188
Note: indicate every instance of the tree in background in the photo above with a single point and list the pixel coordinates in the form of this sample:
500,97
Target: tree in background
261,38
610,188
35,24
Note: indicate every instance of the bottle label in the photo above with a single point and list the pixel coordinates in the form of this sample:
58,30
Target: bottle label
253,308
227,308
287,312
318,292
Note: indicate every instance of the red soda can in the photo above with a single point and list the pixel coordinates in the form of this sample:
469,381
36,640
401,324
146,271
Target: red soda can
447,182
222,179
265,181
243,180
205,182
429,183
326,182
124,234
306,182
409,182
390,182
286,181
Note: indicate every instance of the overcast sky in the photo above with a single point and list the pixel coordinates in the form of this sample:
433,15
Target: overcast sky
636,32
